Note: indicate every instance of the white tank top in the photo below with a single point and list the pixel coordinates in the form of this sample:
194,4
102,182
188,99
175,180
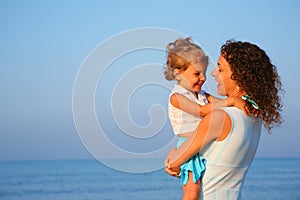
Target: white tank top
228,160
181,121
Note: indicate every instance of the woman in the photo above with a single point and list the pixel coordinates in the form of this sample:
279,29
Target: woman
226,137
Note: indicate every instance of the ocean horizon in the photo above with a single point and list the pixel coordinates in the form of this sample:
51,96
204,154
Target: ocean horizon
268,179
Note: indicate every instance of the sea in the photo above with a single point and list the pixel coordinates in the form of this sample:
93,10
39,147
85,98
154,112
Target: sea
267,179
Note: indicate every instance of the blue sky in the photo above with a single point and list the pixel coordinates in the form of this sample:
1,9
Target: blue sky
44,43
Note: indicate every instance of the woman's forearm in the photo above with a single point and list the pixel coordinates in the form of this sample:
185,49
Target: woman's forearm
209,129
188,149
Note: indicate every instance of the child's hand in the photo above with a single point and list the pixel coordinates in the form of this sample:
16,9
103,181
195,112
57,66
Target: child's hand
240,103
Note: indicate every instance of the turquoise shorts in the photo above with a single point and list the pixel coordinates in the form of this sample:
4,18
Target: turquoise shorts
196,165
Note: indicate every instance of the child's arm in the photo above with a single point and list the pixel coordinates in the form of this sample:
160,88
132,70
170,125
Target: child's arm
229,101
181,102
211,98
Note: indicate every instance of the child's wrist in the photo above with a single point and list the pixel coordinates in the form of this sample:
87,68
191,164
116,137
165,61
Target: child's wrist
229,101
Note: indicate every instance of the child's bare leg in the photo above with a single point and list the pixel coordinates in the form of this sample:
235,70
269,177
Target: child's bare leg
191,191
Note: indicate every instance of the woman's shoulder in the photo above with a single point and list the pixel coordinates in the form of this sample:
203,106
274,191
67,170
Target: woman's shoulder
217,123
216,117
233,111
218,113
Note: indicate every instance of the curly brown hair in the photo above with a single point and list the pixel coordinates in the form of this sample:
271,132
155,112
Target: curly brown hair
257,76
181,54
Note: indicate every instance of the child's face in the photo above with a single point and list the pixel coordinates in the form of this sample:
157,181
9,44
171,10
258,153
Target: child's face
193,77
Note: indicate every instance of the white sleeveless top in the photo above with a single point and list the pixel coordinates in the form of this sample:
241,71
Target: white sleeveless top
229,160
181,121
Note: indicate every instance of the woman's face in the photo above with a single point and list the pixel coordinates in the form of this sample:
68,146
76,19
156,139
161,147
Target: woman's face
222,73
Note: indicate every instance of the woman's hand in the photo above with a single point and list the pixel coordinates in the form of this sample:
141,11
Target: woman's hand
171,171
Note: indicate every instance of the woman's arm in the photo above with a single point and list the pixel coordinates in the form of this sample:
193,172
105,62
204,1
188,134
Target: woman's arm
214,126
183,103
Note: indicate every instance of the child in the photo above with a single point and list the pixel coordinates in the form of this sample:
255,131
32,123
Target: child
187,63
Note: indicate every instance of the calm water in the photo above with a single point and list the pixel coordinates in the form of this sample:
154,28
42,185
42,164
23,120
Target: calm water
268,179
